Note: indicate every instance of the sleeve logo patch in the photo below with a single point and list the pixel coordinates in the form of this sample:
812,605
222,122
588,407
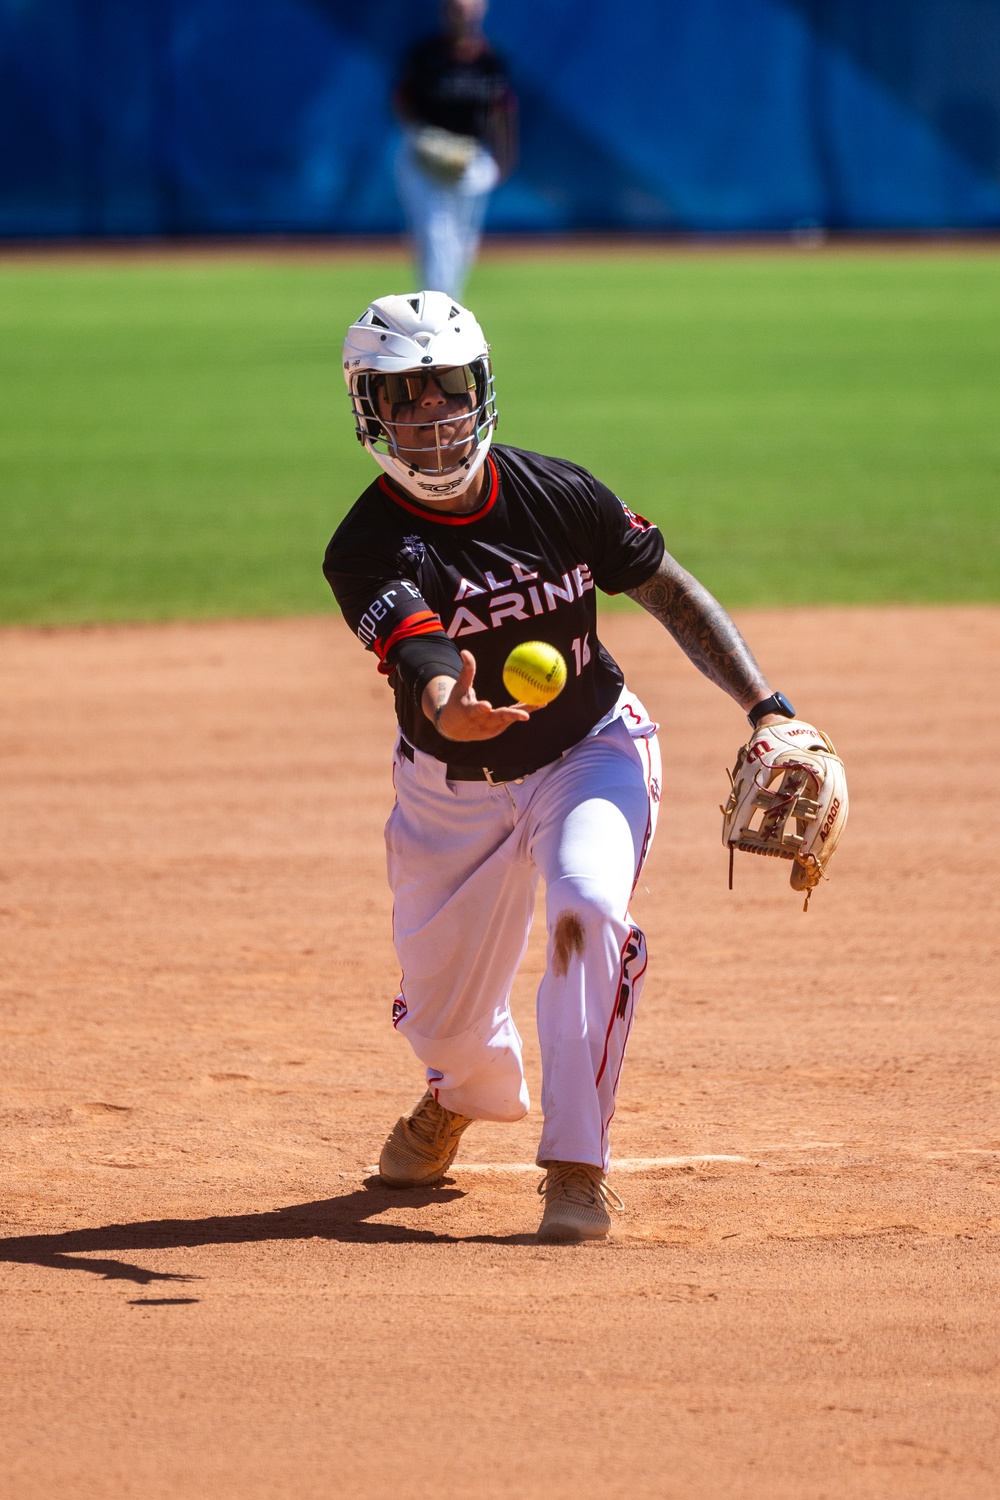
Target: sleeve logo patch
412,551
639,523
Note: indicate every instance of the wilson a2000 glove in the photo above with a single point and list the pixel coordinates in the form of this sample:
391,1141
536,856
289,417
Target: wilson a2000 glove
789,799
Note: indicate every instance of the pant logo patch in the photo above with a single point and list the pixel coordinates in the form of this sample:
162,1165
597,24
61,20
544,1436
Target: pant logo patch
633,948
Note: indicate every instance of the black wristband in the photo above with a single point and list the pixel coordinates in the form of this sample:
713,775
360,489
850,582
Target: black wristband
776,704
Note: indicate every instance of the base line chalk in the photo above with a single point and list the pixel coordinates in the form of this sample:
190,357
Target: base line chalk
626,1164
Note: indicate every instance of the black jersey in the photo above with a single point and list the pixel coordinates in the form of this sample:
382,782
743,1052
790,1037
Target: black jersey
463,97
522,567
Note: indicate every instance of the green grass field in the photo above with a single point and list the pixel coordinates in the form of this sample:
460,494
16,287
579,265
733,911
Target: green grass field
175,438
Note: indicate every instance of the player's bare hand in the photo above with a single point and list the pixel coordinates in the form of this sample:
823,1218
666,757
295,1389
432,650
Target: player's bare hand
455,711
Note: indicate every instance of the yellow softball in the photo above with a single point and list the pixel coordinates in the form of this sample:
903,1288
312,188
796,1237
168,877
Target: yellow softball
534,673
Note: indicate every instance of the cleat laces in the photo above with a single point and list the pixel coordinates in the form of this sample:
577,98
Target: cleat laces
580,1183
431,1128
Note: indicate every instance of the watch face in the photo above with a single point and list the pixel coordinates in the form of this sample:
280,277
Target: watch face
782,706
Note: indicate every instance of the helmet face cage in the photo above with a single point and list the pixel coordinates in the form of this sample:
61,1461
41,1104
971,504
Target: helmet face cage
453,456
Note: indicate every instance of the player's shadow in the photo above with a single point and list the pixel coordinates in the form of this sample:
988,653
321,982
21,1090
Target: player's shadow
350,1219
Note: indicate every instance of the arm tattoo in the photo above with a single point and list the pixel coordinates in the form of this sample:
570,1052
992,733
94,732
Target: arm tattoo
703,630
443,694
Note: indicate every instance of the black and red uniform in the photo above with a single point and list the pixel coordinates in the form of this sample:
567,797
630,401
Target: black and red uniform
416,585
465,96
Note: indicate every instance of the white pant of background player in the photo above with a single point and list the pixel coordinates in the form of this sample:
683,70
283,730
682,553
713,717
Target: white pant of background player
464,861
445,218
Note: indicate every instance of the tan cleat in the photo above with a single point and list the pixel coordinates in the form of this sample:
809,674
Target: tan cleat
576,1199
421,1145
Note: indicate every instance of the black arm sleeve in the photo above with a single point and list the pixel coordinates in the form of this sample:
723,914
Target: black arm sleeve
421,658
392,619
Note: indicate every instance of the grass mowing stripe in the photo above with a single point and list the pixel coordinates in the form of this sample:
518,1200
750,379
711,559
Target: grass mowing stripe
175,439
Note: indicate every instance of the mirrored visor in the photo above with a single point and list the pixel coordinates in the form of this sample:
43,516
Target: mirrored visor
409,386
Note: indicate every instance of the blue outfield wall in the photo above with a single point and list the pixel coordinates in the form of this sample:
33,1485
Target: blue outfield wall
154,117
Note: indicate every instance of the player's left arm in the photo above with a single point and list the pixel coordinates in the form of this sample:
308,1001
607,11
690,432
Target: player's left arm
793,773
704,632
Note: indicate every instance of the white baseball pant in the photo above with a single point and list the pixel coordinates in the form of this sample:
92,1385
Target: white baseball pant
445,218
464,859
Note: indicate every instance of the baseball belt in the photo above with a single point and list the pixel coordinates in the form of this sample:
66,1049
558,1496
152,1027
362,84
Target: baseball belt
482,773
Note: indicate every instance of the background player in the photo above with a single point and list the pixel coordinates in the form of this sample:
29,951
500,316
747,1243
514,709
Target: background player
460,117
462,543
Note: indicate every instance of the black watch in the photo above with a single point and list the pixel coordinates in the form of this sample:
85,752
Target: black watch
776,704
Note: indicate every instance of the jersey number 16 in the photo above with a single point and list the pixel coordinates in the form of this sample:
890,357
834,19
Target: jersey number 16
581,652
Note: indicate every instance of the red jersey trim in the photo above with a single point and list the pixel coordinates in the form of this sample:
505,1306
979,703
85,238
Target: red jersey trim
444,519
426,622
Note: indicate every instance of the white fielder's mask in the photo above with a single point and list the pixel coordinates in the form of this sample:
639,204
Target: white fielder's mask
397,349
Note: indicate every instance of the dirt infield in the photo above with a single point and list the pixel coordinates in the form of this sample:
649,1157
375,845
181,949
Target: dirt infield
203,1293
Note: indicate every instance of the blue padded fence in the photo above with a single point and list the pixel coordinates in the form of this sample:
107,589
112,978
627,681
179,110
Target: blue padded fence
153,117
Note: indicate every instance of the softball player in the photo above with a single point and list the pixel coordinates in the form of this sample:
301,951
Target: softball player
459,117
459,551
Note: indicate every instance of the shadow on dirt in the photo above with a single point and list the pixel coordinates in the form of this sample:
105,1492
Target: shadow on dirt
347,1219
